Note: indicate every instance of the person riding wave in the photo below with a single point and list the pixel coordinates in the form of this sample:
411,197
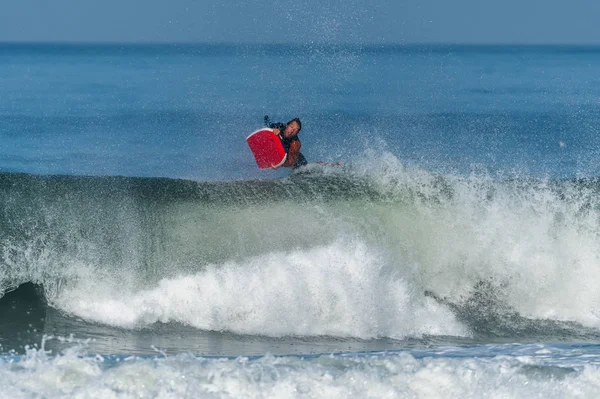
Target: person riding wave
288,134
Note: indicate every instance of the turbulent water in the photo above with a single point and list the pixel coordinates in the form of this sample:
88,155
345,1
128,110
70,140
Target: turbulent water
453,254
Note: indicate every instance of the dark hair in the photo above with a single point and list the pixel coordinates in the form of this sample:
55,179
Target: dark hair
297,120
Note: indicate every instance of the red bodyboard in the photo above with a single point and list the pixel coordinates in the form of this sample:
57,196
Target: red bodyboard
267,148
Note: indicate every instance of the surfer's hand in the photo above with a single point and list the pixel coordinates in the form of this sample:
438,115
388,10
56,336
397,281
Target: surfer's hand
276,131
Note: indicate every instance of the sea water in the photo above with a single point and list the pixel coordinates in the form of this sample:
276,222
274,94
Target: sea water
455,253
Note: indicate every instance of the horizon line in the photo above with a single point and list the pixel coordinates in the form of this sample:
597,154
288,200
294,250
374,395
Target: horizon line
298,44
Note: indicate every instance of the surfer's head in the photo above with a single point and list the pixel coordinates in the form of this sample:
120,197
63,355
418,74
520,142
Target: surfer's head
292,128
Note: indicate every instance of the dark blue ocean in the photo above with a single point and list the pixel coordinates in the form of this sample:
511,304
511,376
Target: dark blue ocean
455,253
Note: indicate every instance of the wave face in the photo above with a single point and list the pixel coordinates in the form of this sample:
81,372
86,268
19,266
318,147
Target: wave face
376,249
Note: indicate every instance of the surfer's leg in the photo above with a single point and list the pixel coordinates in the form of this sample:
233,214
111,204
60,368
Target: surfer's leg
301,161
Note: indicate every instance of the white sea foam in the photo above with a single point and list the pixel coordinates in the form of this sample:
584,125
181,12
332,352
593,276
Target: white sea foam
515,373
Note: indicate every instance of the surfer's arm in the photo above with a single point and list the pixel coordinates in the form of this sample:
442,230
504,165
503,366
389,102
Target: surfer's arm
293,153
277,128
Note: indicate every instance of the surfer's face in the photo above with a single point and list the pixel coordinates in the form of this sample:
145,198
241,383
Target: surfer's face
291,130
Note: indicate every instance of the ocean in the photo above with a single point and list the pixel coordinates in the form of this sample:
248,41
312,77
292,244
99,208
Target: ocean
455,252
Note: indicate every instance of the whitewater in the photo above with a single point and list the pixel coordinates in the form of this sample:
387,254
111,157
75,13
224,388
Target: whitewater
365,253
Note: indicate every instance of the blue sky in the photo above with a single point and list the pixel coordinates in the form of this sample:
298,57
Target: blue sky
302,21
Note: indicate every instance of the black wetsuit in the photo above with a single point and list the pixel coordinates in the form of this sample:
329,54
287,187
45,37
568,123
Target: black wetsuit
301,161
